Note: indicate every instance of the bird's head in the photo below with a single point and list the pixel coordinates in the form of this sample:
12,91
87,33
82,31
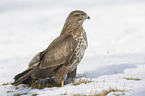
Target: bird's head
74,19
78,16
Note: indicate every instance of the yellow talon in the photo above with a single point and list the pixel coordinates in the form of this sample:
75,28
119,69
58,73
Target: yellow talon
62,83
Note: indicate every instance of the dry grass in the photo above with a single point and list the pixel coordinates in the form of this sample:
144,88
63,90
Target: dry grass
20,94
5,84
131,78
82,81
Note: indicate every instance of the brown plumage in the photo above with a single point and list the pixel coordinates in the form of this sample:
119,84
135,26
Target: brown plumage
61,57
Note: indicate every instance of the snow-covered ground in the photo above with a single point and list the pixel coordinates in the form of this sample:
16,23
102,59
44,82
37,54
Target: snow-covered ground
116,35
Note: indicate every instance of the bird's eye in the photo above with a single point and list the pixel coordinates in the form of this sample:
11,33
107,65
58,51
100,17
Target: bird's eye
77,14
82,14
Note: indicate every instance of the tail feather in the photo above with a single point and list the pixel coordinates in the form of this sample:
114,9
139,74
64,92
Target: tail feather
22,77
21,74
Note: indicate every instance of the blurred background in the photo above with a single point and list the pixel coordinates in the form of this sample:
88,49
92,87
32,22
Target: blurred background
29,26
116,36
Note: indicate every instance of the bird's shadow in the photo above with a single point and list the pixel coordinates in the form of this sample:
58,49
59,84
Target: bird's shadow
107,70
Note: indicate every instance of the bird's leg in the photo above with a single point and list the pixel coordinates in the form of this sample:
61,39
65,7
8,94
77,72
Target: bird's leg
62,83
72,75
42,83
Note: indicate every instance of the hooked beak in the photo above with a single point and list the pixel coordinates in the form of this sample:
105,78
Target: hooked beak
88,17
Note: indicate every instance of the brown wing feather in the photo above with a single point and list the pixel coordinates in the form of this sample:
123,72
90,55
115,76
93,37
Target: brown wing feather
55,55
59,53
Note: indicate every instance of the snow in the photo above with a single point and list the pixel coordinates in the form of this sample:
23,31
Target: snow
115,35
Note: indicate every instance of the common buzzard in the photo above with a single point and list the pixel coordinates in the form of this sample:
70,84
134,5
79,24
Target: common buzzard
62,56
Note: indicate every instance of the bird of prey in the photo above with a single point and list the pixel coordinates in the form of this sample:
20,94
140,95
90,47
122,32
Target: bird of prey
62,56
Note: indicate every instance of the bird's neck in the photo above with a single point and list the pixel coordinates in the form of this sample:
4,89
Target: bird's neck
70,27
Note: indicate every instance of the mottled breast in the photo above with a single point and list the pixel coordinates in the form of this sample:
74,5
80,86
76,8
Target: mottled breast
81,39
